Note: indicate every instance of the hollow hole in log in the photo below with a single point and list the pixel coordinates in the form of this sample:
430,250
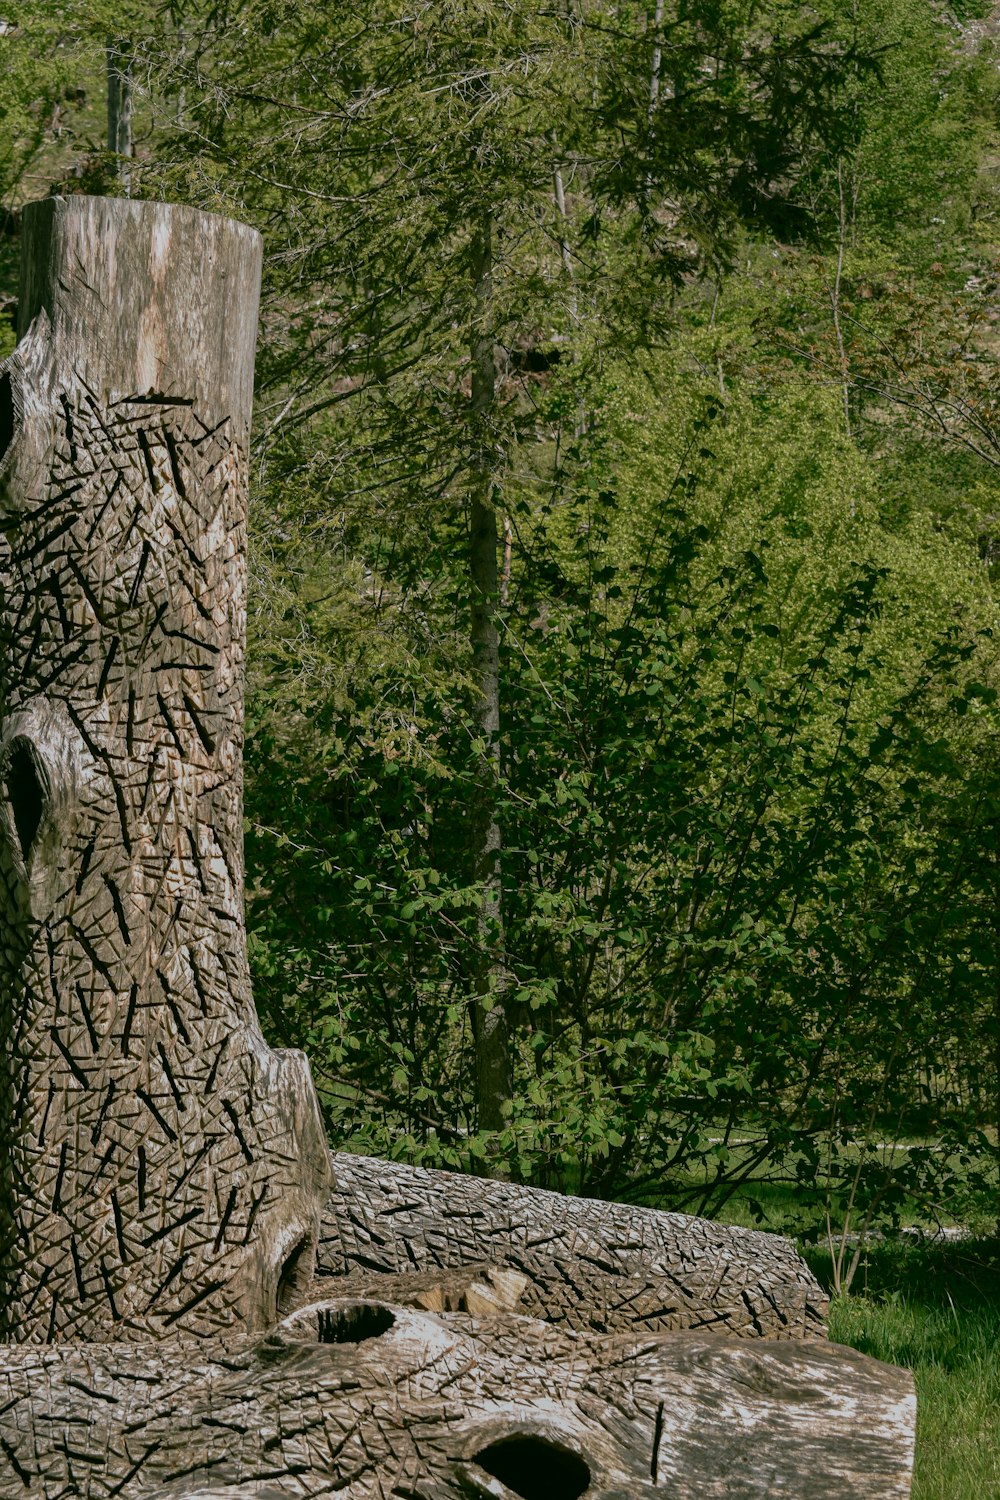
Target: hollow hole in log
535,1468
25,795
8,423
294,1276
355,1324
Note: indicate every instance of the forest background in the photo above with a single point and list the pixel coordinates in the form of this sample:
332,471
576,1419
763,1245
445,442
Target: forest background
623,721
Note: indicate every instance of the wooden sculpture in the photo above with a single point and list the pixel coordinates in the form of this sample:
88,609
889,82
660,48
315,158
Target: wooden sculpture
166,1169
190,1309
585,1264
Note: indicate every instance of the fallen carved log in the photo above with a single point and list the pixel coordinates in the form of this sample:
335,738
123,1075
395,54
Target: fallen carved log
365,1399
587,1264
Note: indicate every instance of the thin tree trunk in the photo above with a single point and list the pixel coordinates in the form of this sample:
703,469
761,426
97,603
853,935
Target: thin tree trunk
493,1074
508,552
996,1022
118,52
656,65
835,302
564,251
656,62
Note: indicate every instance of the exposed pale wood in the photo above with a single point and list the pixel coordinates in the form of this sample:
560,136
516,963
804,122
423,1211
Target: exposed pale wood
484,1290
366,1399
589,1264
164,1169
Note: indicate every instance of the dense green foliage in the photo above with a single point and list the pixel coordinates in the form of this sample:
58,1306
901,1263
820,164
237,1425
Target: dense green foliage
734,275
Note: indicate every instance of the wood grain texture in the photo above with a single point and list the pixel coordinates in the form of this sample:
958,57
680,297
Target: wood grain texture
367,1399
164,1168
588,1264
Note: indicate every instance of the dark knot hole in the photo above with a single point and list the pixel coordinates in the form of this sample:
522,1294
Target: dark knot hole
294,1276
354,1324
534,1468
8,417
25,795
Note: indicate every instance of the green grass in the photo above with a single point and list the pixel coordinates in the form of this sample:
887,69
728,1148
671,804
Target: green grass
936,1310
777,1207
779,1198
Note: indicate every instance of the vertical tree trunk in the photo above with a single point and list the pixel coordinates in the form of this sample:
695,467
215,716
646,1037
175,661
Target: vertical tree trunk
657,60
118,52
845,384
164,1168
493,1080
996,1021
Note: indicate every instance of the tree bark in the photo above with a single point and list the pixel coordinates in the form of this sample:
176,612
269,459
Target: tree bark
118,52
164,1169
657,61
492,1045
588,1264
367,1398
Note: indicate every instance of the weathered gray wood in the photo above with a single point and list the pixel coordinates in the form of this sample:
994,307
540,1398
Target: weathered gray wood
589,1264
163,1169
366,1399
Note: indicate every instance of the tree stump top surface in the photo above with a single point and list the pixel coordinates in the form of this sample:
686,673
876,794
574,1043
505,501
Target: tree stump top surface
146,298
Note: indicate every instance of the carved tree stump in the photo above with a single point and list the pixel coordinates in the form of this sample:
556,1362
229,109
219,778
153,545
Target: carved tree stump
163,1169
